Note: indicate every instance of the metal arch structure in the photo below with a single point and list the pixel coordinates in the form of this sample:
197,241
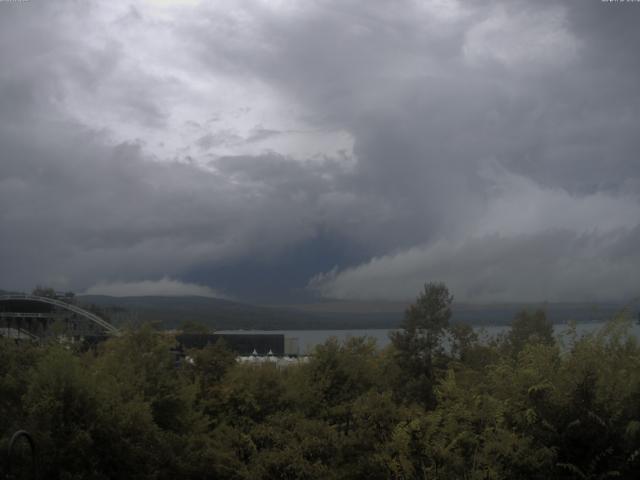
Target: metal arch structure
110,329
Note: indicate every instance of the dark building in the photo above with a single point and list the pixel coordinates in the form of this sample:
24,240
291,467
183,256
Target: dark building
241,344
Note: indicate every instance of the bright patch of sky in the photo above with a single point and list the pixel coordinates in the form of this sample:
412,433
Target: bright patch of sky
179,111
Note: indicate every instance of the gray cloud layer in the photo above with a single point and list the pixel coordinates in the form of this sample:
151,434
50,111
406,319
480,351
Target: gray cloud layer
493,145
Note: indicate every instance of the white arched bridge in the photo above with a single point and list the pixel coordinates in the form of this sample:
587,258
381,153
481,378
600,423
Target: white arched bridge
31,315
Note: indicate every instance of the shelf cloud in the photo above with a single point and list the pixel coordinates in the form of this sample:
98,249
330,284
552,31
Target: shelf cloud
165,286
347,149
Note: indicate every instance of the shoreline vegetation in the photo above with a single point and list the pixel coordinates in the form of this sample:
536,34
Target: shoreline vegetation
525,405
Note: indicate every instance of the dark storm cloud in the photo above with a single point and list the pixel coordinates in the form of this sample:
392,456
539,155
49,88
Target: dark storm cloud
111,213
489,138
431,103
400,81
77,209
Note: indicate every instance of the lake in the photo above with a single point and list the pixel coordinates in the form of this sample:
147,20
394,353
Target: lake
308,339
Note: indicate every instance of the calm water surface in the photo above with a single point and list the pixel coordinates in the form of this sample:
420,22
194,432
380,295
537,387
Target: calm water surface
308,339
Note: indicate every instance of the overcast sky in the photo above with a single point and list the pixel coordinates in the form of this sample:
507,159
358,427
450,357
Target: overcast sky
274,150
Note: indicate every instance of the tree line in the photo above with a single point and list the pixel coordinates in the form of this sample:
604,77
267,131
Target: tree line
524,405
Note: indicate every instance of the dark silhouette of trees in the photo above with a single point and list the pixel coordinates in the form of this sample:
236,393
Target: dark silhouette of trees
529,328
419,341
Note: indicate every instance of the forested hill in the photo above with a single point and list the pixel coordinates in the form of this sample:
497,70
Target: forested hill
172,312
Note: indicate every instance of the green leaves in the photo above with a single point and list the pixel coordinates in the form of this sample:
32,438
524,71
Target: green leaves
418,342
528,329
521,408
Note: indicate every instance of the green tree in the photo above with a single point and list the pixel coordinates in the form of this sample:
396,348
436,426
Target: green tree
210,365
529,328
191,326
419,341
290,446
213,361
463,340
250,393
17,360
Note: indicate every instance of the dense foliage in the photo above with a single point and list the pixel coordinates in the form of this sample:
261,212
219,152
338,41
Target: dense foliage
525,405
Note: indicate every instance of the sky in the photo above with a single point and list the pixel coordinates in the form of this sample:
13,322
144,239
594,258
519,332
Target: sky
286,151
